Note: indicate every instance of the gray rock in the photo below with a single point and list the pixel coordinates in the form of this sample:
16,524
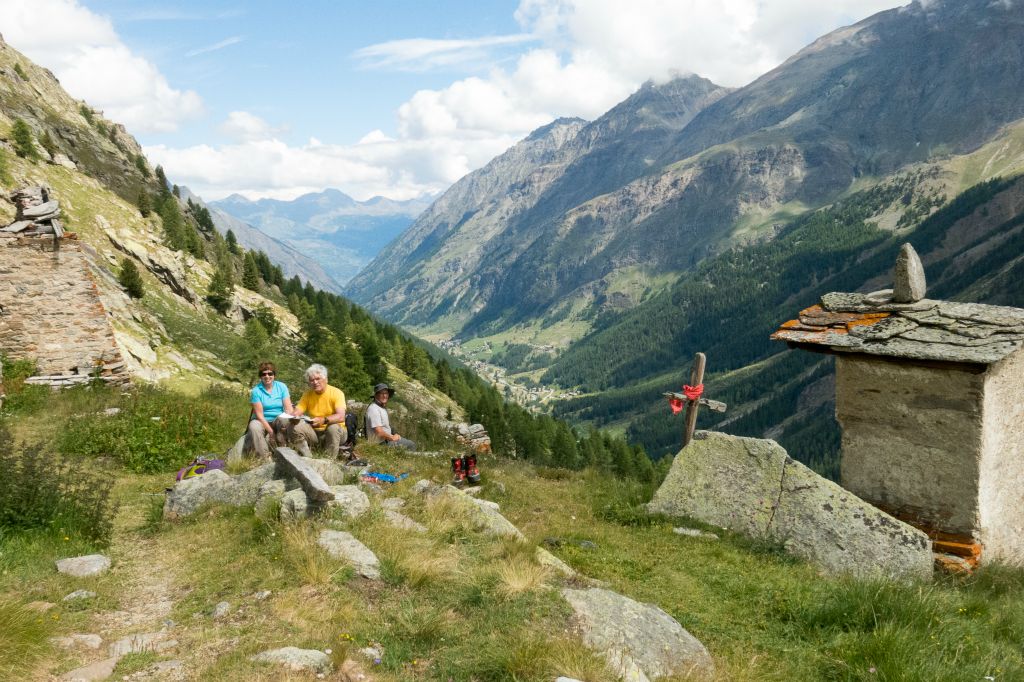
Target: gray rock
84,566
136,644
100,670
753,487
289,463
295,505
374,654
566,679
269,493
236,453
485,517
546,558
332,472
75,641
424,487
639,641
909,284
392,503
42,211
400,520
79,594
249,484
221,610
190,494
112,411
297,660
694,533
342,545
262,595
350,500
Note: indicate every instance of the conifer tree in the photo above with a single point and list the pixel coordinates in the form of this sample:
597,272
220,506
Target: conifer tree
222,286
23,144
144,204
266,317
174,224
250,273
140,163
130,278
232,243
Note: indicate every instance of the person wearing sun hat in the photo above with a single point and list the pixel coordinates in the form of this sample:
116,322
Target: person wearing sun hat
378,424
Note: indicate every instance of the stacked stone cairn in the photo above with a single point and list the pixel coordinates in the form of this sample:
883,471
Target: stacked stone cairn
474,436
38,214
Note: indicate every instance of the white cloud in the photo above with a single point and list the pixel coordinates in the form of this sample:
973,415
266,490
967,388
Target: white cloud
261,165
84,51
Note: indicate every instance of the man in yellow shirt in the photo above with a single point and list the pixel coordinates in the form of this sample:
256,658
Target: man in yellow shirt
325,405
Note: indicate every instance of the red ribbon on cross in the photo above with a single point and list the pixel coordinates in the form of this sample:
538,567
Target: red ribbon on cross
693,392
676,404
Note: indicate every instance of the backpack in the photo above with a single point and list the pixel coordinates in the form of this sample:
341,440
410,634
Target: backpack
199,466
351,425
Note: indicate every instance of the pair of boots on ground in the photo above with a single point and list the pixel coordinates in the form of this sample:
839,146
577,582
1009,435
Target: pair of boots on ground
464,470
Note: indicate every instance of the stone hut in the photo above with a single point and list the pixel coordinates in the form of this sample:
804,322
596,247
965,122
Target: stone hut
50,309
930,398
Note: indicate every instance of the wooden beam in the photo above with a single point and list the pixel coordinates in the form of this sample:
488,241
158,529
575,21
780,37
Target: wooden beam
696,378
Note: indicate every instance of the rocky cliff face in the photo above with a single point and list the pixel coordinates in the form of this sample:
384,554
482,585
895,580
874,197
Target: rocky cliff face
684,170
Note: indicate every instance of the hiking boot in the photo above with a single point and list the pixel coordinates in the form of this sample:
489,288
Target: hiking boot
469,466
458,472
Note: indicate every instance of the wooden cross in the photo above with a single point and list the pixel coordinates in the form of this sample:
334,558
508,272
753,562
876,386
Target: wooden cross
696,379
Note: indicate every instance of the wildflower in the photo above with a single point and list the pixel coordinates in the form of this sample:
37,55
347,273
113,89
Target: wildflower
872,670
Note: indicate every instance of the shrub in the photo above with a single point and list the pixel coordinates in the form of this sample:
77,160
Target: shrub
158,430
130,278
20,71
42,491
23,143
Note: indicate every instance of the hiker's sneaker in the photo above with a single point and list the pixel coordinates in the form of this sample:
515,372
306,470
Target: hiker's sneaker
356,463
469,466
458,472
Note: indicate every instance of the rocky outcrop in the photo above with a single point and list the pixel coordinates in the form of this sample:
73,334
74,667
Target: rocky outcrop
753,487
297,660
640,641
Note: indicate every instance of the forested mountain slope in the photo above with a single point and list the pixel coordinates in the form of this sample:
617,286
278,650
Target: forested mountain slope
926,81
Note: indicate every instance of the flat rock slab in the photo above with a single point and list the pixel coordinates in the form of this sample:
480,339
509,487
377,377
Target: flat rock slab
291,464
137,644
640,641
694,533
342,545
297,660
100,670
77,640
79,594
546,558
84,566
752,486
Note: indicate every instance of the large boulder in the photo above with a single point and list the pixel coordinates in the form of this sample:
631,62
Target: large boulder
640,641
350,500
190,494
484,515
753,487
84,566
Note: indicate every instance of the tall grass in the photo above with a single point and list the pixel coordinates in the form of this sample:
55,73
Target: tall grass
23,635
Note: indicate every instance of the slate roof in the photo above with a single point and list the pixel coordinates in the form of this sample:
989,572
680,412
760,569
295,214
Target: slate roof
925,330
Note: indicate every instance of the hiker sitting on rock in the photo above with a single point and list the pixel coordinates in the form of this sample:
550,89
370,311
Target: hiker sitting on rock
271,405
378,425
325,406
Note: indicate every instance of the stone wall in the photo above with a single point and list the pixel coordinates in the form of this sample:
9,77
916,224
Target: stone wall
1002,462
912,439
51,312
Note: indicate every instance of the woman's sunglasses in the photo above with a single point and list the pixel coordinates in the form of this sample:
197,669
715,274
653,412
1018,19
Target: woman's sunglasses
266,374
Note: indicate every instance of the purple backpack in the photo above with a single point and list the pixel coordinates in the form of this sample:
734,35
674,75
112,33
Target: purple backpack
200,465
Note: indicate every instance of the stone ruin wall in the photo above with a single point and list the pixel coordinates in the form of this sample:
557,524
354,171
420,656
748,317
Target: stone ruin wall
1002,463
912,439
52,313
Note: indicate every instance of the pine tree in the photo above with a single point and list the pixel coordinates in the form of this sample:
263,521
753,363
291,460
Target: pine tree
174,224
161,181
140,163
250,273
144,204
232,243
23,144
222,287
266,317
130,278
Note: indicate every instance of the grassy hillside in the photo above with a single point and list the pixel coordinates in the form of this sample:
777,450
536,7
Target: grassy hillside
453,604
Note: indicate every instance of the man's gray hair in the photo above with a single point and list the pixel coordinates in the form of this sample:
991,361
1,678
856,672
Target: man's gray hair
316,371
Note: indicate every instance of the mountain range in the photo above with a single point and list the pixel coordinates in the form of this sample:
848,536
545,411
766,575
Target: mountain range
341,234
606,235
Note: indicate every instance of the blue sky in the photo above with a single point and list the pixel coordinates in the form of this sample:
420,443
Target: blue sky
394,98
